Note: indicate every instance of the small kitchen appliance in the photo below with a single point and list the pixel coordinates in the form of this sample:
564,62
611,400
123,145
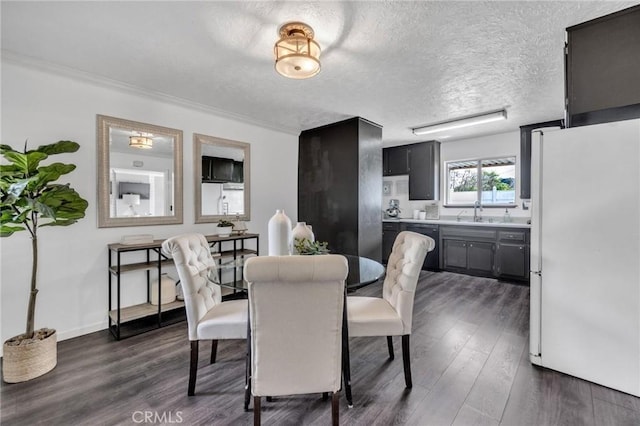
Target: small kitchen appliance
394,208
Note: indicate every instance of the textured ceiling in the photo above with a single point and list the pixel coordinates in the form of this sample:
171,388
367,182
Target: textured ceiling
399,64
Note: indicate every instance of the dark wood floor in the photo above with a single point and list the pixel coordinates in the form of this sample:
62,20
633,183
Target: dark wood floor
469,357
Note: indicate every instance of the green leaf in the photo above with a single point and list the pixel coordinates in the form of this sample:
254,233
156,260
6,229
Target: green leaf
6,148
48,174
65,204
16,189
27,163
44,210
8,230
7,169
59,147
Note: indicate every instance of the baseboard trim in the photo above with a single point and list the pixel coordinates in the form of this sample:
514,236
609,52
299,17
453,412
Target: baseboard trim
81,331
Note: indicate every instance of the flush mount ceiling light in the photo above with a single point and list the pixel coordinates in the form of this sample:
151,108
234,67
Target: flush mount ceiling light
297,54
142,142
462,122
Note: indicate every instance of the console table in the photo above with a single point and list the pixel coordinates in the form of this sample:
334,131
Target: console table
125,321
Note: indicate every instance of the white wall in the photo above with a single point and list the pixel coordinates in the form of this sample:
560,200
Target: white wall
45,107
500,145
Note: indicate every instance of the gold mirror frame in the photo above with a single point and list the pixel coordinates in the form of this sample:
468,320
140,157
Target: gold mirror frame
200,140
104,124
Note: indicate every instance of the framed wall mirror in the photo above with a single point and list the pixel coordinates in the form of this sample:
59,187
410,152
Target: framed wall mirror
222,179
139,173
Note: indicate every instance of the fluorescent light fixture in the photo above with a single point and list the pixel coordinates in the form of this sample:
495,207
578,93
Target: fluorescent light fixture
460,123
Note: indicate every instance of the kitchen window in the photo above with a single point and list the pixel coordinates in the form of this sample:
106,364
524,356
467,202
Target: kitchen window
492,181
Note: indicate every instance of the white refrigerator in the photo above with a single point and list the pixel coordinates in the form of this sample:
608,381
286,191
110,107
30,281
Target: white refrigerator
585,253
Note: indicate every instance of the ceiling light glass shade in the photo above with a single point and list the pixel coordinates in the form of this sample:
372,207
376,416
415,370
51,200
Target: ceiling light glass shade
142,142
297,54
460,123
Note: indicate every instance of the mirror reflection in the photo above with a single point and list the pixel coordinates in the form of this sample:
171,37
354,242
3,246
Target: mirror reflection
222,179
139,173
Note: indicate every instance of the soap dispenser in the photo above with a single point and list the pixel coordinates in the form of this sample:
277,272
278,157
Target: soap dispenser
507,216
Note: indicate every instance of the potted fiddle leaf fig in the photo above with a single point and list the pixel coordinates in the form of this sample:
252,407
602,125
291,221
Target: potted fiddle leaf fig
30,199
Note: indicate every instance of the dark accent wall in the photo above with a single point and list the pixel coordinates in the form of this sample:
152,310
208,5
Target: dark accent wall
340,185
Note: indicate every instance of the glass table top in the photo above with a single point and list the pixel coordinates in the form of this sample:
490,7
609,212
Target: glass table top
362,272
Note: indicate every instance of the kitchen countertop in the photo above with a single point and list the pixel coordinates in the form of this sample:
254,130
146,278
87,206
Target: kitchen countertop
495,222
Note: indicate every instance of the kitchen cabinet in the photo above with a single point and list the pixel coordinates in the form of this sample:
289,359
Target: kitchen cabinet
480,257
216,169
601,69
512,255
390,231
525,154
421,161
237,176
340,185
424,170
431,262
468,250
395,161
206,169
487,252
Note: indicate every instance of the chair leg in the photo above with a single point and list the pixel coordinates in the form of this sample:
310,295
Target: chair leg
214,351
335,412
325,396
390,346
256,411
346,361
247,379
193,368
406,355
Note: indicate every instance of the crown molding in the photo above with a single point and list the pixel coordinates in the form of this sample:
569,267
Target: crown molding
40,65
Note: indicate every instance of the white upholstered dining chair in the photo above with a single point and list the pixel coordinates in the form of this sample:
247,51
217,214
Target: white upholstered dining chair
296,312
392,314
208,317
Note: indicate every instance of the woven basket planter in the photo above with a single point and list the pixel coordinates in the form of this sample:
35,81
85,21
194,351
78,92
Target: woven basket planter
28,361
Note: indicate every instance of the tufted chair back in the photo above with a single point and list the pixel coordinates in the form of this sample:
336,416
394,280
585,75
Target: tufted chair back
403,271
295,309
192,257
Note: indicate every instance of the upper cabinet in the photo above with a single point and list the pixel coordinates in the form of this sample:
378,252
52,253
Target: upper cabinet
395,160
601,69
424,170
220,170
421,161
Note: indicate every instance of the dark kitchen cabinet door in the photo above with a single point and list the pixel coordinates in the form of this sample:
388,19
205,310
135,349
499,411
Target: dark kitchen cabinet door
237,175
512,261
395,161
206,169
424,170
480,256
389,233
454,254
221,169
432,261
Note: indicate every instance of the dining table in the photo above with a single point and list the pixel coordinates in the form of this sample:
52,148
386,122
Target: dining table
363,271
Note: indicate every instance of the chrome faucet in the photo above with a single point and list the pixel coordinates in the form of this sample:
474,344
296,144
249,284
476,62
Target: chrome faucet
460,214
477,217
